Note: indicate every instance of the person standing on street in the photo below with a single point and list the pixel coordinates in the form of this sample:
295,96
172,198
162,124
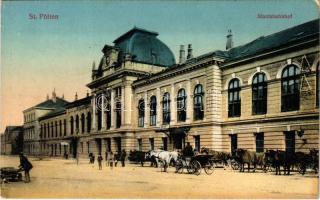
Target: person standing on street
111,157
116,159
123,157
100,161
107,158
26,166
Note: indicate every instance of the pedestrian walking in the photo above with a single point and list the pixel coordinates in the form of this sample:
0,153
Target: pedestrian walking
107,159
123,157
111,157
26,166
116,159
100,161
90,158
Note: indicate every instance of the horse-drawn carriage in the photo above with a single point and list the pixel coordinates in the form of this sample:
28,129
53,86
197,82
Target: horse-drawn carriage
194,164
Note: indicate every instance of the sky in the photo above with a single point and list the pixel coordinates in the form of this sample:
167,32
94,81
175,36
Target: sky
38,56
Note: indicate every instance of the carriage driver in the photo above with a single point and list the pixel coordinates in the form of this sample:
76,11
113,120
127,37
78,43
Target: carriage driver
188,152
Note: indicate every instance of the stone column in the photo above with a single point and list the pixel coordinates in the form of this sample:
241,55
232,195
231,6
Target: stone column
189,103
146,110
122,107
159,108
127,105
113,117
93,102
103,125
173,106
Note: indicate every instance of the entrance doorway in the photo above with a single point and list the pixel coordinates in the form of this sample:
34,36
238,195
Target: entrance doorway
118,143
234,143
99,146
178,141
108,144
74,147
290,141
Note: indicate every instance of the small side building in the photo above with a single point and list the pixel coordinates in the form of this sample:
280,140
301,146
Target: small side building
12,140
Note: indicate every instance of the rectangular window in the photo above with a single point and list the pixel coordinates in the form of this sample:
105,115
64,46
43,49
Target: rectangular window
118,122
81,146
234,143
141,111
259,142
197,142
140,144
259,100
165,143
290,141
151,140
88,145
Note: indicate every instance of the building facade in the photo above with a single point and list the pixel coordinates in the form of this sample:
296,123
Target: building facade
261,95
31,125
12,140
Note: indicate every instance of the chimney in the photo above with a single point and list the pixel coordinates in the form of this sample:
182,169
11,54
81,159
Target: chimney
47,96
87,93
189,52
229,44
54,96
182,57
62,96
93,73
76,96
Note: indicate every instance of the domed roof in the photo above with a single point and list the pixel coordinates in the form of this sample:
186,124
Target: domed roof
144,46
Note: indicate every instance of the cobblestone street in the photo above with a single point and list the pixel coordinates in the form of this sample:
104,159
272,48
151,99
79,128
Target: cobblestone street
57,178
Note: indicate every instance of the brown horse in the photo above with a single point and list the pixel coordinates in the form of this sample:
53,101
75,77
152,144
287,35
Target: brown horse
247,157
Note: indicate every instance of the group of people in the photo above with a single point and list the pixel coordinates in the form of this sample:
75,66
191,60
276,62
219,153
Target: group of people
111,159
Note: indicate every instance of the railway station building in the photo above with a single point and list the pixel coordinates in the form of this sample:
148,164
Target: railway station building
260,95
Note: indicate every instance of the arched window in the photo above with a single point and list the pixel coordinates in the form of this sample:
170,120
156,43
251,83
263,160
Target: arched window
108,115
317,85
64,127
198,108
290,92
71,125
44,131
77,124
56,128
41,131
234,101
118,114
48,130
166,108
259,94
181,105
99,115
52,133
89,122
141,108
60,128
153,111
82,123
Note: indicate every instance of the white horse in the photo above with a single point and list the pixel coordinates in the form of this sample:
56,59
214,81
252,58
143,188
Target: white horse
174,156
164,157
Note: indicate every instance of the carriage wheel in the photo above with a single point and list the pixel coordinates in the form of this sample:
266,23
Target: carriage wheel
235,165
302,169
209,167
196,167
179,167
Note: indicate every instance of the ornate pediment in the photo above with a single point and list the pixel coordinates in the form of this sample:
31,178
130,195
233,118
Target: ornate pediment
110,56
